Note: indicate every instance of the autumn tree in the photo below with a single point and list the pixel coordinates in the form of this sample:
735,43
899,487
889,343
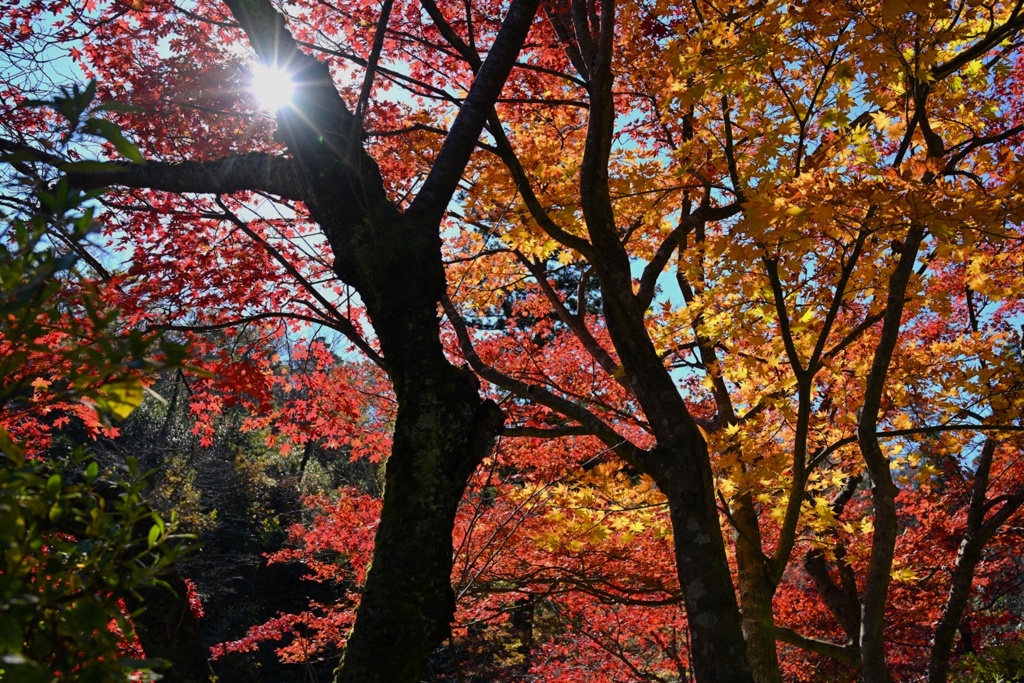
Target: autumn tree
764,254
390,257
810,177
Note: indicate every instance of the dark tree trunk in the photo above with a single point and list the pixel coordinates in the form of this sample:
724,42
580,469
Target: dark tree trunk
883,490
952,613
521,620
716,636
168,631
681,467
407,602
680,463
161,615
876,582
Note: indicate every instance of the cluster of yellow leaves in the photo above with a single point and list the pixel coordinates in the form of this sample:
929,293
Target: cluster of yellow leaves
604,507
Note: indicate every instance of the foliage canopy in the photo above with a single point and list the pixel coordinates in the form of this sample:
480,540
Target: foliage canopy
736,289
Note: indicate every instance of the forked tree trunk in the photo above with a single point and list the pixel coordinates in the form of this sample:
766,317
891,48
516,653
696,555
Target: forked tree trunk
443,428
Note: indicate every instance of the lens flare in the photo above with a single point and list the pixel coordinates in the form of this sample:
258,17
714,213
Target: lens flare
272,86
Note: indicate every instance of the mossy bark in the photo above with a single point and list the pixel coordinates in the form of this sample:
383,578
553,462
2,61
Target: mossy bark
407,605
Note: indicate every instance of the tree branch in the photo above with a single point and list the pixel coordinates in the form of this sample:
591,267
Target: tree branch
429,206
338,321
547,432
841,653
623,448
255,171
652,271
1011,26
575,325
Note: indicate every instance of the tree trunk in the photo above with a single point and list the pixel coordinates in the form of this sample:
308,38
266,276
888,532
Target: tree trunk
717,647
681,467
876,583
162,616
680,464
407,605
168,631
883,490
442,431
756,594
952,613
521,621
443,428
393,260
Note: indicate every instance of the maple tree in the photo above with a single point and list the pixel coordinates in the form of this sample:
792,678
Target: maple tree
754,266
815,216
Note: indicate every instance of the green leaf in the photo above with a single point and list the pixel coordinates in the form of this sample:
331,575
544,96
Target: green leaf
174,353
112,133
13,451
154,535
53,485
56,512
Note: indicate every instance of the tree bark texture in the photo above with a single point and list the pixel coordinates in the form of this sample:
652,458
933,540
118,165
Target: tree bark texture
441,433
967,559
756,592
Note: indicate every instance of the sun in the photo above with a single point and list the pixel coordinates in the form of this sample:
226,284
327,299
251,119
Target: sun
273,86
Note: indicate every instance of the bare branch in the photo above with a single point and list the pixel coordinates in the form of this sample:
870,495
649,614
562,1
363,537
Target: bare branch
842,653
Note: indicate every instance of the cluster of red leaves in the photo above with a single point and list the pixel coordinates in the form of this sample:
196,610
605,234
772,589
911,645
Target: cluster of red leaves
336,547
49,377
